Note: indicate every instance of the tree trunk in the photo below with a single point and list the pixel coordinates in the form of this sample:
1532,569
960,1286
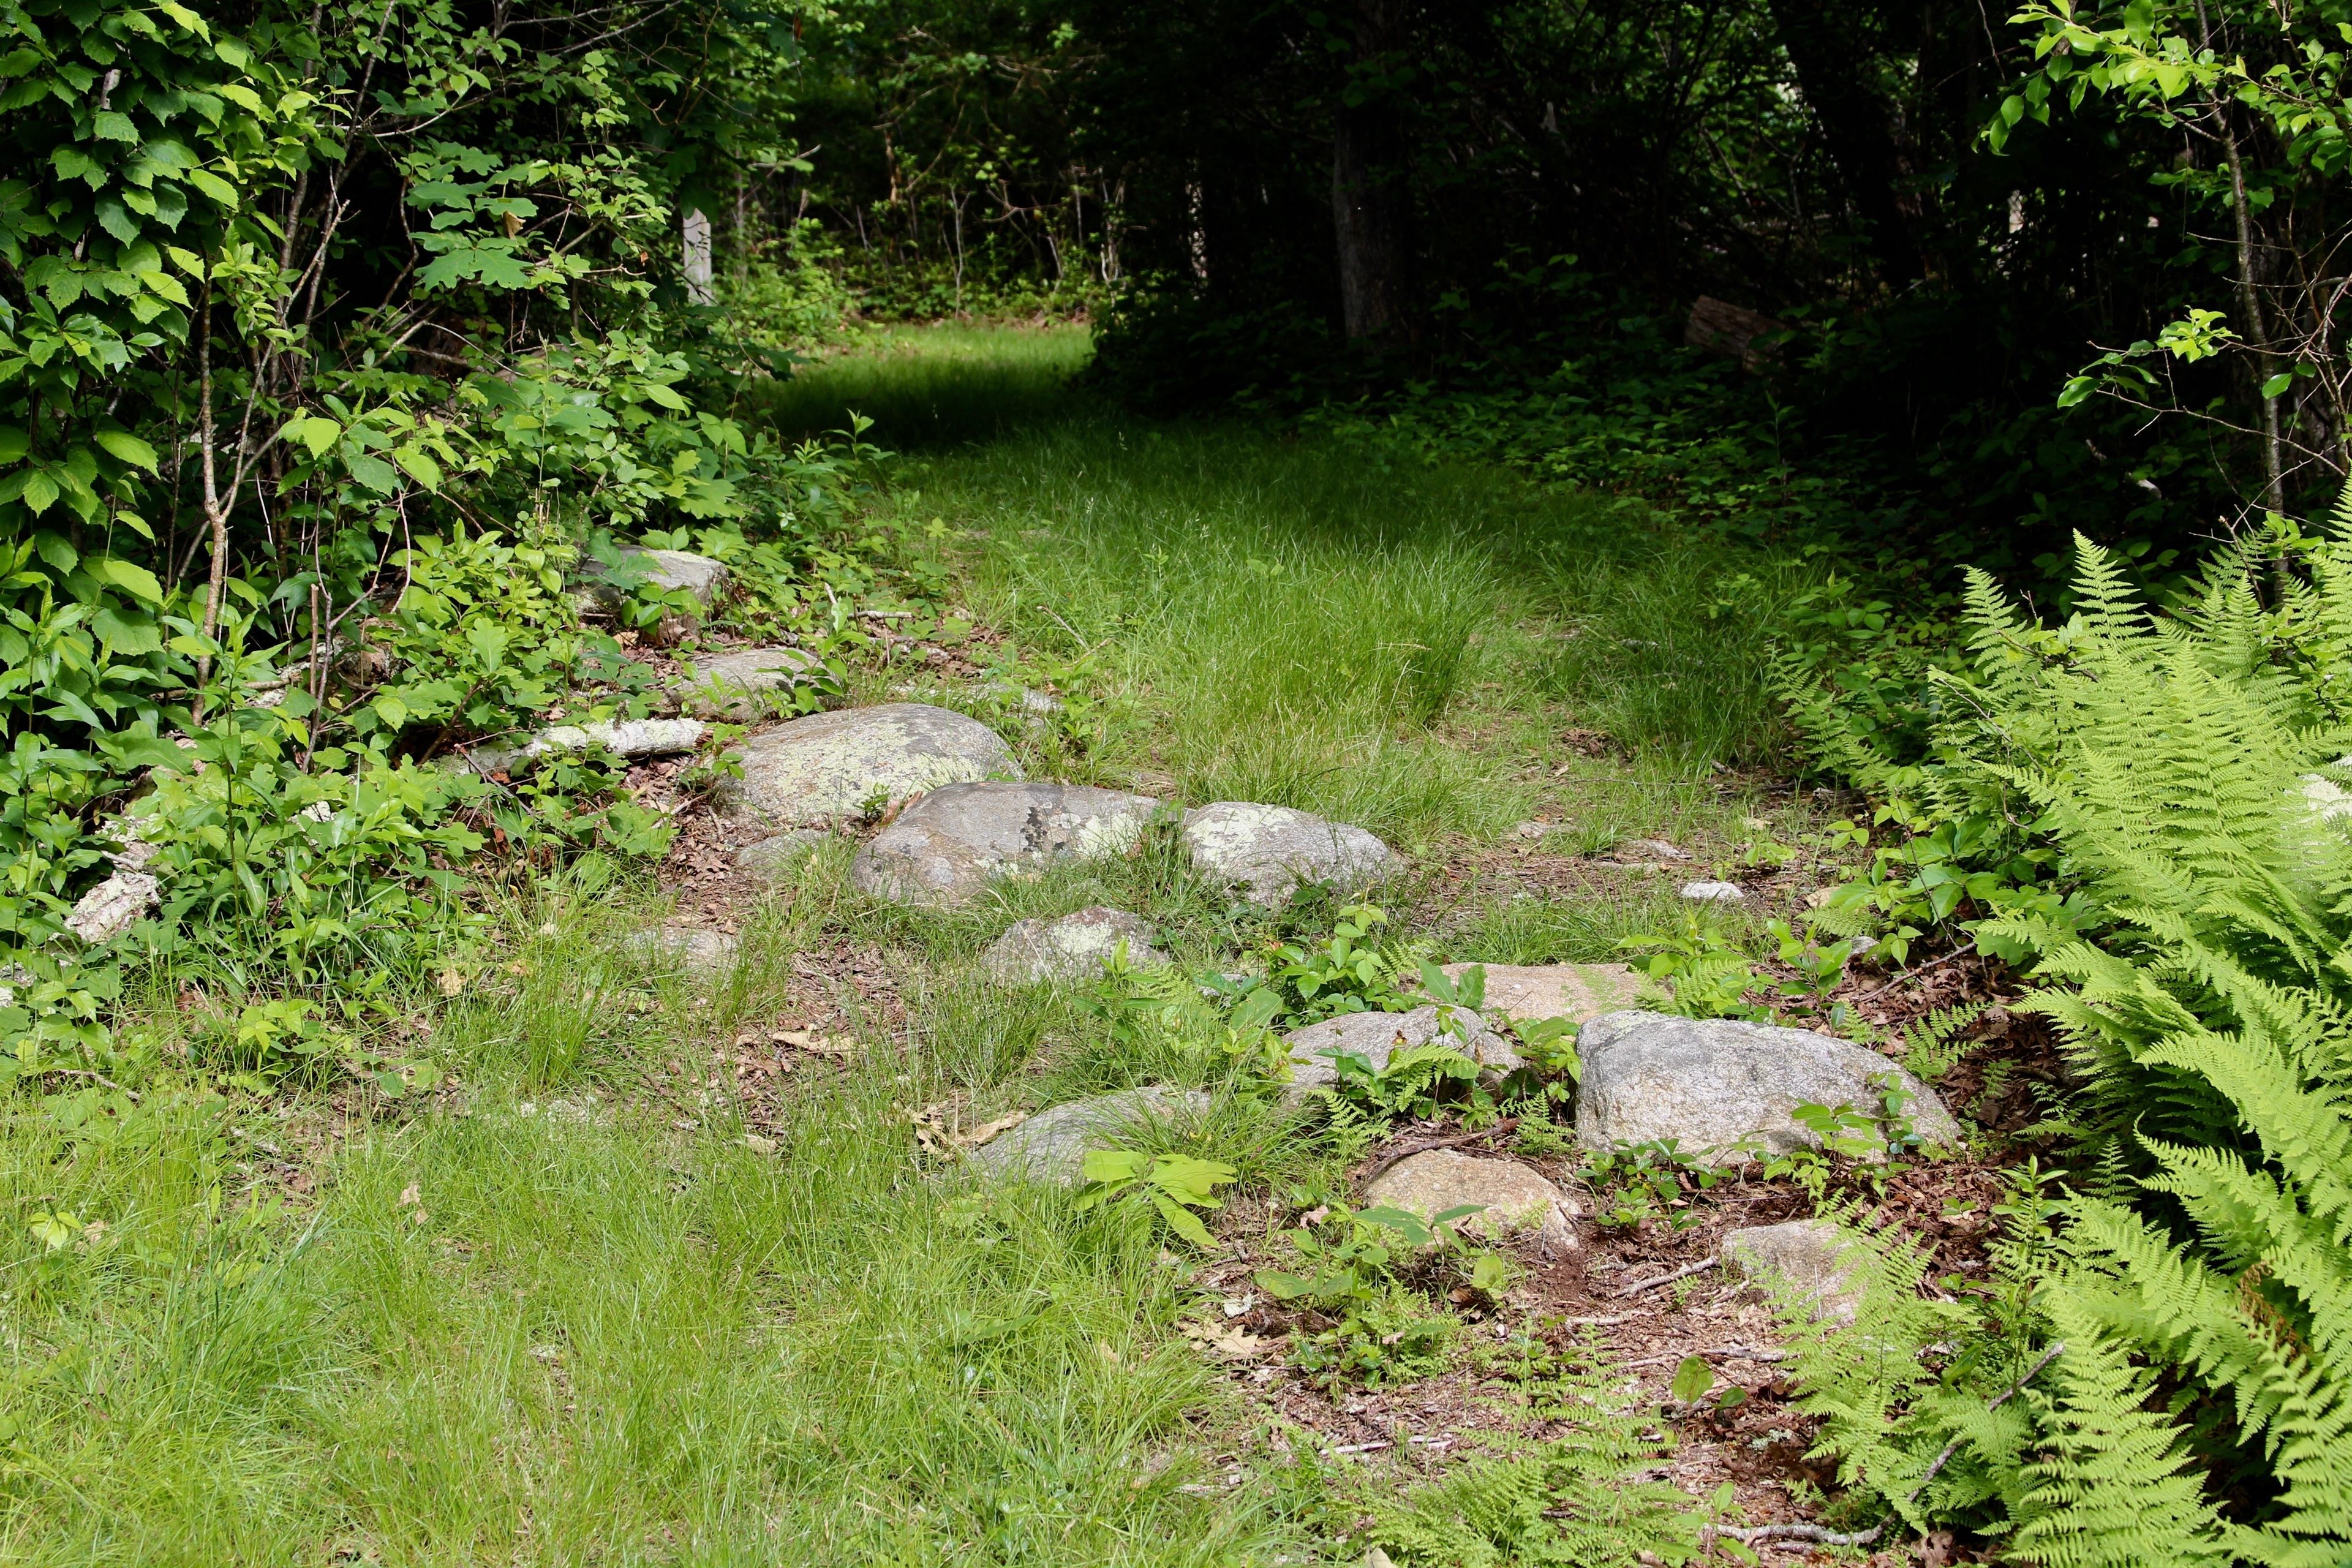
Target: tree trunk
1372,204
1856,127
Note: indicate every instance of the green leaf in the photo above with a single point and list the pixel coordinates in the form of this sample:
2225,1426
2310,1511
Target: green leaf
1106,1166
114,125
124,635
374,472
135,579
1191,1181
129,449
1692,1379
2278,384
14,444
419,465
666,397
1283,1285
313,431
222,193
41,492
1183,1222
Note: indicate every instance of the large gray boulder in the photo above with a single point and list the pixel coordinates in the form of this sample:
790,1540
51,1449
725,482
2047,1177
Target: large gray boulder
957,839
1711,1083
818,770
1075,947
748,684
1806,1258
1533,991
1052,1146
1517,1203
1375,1036
1271,849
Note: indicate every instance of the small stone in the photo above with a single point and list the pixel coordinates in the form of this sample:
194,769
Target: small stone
1075,947
957,839
813,771
1532,990
1518,1204
700,575
775,859
744,686
697,949
1709,1084
1272,849
1806,1258
1052,1146
1531,829
1375,1036
112,907
1659,848
13,978
1715,894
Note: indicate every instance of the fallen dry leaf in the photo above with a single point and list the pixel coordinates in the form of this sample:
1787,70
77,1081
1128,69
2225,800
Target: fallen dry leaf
986,1130
451,983
409,1194
1232,1344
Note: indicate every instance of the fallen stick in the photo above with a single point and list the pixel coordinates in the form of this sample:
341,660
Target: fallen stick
1612,1319
2002,1398
1701,1266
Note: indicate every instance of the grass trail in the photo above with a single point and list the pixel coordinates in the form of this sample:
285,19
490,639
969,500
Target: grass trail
567,1314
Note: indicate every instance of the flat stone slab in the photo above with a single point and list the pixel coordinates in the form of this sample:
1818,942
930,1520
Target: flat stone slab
1806,1258
1375,1036
816,771
1519,1205
1075,947
959,838
1709,1083
1714,893
745,686
1270,850
1052,1146
1532,990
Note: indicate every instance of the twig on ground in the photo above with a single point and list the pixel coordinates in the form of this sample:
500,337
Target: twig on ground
1614,1318
2004,1398
1903,974
1684,1272
1507,1124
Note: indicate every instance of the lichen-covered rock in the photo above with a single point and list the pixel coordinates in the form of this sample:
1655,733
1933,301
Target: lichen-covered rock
1270,850
1517,1203
1052,1146
1711,1083
828,766
1375,1036
1805,1257
112,907
747,684
957,839
1075,947
1530,991
1715,894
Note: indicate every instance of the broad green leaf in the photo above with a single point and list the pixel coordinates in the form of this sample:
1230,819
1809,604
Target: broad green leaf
665,396
1692,1378
139,581
419,465
313,431
127,449
114,125
41,492
14,444
213,185
1183,1221
374,472
125,635
1107,1165
1281,1285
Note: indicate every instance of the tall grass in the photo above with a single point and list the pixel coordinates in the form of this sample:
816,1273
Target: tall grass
931,386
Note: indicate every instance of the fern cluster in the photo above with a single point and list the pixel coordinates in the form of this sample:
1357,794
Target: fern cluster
2187,767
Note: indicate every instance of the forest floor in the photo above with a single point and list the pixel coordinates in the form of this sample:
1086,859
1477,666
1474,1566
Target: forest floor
662,1275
